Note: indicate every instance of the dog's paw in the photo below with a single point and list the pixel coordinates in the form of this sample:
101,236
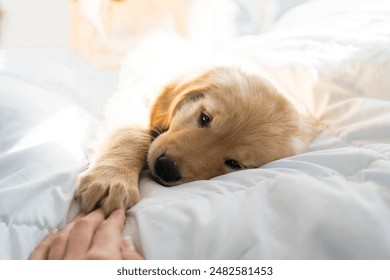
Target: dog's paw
107,187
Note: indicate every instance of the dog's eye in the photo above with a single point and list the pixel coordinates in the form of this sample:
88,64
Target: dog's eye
233,164
204,120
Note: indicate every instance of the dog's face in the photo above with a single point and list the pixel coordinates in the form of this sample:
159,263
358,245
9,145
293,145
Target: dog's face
222,121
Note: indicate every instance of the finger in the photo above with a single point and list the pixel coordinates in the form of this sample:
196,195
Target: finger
128,250
80,238
128,243
58,245
78,217
108,240
41,252
131,255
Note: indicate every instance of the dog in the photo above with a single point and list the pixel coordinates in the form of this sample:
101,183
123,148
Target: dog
219,120
206,118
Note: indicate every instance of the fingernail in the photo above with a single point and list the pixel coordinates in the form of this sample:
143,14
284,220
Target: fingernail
129,242
54,230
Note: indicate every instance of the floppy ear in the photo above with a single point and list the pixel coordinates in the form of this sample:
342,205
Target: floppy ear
160,113
170,100
173,97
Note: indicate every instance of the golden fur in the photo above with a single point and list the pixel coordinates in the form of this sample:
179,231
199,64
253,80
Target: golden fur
220,121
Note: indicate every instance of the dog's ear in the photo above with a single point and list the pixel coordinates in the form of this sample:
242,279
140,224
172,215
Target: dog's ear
160,113
170,100
174,95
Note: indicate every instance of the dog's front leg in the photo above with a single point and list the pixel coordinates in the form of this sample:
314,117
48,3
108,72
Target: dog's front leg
111,181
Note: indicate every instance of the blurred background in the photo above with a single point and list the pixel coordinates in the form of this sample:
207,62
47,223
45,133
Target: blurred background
103,31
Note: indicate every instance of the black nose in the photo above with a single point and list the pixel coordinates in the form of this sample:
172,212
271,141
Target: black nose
166,169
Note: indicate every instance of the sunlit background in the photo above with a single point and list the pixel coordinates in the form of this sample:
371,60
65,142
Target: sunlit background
104,30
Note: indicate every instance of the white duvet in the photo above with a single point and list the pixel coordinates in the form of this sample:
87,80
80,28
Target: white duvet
332,202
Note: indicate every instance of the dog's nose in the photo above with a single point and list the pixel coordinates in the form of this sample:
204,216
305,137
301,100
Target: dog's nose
166,169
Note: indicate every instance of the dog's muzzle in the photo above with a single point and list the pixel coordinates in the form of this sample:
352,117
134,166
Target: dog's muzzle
166,169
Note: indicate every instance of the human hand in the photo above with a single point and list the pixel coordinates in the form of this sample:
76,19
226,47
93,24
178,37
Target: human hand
88,237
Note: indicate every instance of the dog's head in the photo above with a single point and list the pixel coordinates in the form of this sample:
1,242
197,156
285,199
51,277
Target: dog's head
220,121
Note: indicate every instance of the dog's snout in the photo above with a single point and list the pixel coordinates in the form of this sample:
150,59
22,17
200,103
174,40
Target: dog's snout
166,169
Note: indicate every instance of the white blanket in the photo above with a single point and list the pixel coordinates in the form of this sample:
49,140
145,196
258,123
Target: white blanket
44,128
332,202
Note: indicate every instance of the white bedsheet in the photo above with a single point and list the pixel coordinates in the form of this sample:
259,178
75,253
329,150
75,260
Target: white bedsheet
332,202
44,127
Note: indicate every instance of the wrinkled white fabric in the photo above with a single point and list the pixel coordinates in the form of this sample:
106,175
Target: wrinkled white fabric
44,125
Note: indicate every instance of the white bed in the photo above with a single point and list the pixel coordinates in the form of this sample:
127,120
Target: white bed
332,202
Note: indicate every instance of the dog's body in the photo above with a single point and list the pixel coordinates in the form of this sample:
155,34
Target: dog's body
207,124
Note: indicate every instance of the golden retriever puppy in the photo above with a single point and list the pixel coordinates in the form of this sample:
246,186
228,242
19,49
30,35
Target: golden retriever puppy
219,121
